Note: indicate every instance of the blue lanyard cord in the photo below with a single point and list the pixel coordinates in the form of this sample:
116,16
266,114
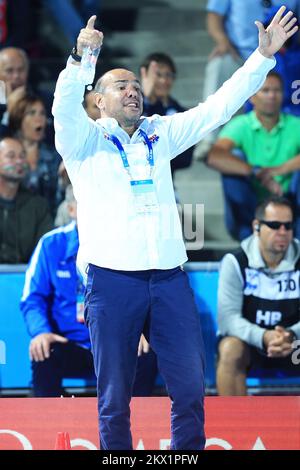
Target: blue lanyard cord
122,152
117,143
150,157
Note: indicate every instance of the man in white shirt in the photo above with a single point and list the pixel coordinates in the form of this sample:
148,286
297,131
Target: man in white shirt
130,233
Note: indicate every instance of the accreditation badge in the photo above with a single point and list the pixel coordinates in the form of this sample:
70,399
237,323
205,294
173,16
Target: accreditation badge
144,195
80,308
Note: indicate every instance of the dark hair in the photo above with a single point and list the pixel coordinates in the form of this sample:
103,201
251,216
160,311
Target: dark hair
18,110
87,92
277,201
272,73
161,58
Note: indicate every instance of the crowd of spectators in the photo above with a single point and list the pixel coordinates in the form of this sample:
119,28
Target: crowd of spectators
257,153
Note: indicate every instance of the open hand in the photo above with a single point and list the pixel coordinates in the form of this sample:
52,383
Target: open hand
277,33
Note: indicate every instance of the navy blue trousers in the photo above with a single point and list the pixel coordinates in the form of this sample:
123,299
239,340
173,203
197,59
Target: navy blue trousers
119,306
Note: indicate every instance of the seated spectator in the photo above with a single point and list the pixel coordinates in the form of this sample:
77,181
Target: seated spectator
158,73
90,106
27,122
24,217
63,214
52,305
14,71
270,144
231,25
258,300
14,68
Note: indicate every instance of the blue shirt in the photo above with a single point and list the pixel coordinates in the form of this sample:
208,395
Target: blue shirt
240,16
50,291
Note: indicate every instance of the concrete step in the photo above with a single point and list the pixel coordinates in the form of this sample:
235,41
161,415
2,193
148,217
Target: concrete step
174,4
182,43
198,184
152,19
161,19
187,65
188,91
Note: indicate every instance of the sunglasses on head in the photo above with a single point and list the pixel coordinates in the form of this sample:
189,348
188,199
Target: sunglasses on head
275,224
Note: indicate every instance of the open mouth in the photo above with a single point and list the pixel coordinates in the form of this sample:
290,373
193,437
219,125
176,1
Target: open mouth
133,105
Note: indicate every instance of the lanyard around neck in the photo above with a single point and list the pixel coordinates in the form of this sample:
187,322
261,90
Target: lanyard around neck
117,143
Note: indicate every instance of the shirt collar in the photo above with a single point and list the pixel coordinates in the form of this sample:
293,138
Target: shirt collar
256,124
111,125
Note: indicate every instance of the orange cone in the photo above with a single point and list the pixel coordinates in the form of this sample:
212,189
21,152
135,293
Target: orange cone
62,441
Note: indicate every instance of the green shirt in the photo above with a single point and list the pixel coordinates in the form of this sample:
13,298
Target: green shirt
265,148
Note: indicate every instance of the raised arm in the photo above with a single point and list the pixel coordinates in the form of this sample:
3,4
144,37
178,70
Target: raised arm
280,29
186,129
72,125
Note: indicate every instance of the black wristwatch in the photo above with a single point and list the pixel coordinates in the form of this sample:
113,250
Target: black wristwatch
74,55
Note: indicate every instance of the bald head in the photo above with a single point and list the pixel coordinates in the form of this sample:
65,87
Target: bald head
13,67
111,76
119,96
12,160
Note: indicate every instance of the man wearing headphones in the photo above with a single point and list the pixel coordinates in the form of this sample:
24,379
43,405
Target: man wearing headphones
258,299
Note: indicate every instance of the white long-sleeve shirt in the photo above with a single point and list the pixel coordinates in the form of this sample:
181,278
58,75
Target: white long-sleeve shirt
111,233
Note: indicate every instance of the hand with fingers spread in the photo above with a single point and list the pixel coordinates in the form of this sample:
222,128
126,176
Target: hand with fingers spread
277,33
89,36
39,348
149,78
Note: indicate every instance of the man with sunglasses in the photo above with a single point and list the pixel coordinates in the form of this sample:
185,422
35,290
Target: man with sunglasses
258,300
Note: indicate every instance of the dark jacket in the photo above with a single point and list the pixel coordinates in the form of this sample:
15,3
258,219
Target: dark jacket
22,223
184,159
52,286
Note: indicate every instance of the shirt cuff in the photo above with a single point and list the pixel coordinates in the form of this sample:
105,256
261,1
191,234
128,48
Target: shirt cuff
256,59
71,70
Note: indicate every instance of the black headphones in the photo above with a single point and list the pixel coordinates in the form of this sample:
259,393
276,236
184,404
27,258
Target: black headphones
257,227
